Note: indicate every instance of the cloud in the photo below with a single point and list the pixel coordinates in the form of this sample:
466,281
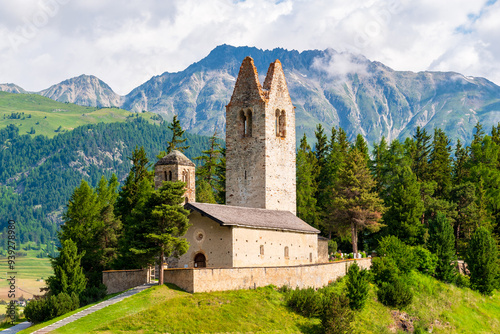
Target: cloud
126,43
339,65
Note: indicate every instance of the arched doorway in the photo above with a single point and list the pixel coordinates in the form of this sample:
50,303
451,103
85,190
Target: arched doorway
200,261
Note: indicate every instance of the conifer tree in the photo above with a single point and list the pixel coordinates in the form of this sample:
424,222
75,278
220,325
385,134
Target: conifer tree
206,186
68,273
354,205
442,243
176,142
165,223
306,184
468,213
421,155
378,165
130,207
405,208
204,192
460,172
220,172
482,261
361,146
440,163
321,146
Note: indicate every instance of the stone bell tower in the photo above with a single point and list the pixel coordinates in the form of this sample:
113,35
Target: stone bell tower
175,166
260,141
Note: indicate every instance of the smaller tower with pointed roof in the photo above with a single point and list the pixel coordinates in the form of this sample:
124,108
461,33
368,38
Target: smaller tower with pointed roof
175,166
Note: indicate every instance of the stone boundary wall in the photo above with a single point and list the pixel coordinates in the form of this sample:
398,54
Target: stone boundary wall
222,279
121,280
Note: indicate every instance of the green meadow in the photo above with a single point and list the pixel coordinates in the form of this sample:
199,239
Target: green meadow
37,115
436,308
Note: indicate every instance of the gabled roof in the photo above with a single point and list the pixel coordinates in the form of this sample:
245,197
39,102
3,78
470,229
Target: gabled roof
175,158
227,215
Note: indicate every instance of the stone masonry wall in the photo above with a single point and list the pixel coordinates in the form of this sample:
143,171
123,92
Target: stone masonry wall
223,279
260,160
121,280
207,237
162,170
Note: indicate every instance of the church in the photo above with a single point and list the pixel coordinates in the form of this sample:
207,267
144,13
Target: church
258,226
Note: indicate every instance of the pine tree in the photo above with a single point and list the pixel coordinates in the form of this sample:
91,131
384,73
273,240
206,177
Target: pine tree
165,223
321,146
440,163
207,172
177,140
127,197
220,172
306,184
130,205
357,287
204,192
442,243
361,146
464,197
378,165
354,205
68,273
420,164
482,261
403,218
460,172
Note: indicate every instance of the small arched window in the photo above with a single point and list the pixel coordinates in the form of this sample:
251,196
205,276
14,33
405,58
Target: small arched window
286,252
185,177
165,176
277,123
246,121
261,249
282,124
170,175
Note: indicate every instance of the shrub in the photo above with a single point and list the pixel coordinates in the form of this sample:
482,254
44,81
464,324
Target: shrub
442,243
50,307
332,247
306,302
395,294
384,269
481,260
357,287
426,261
337,315
402,254
462,281
93,294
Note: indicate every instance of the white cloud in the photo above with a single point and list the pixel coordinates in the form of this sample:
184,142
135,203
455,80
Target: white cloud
125,43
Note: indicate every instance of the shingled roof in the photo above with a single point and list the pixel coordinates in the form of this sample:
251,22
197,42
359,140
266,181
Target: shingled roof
227,215
175,158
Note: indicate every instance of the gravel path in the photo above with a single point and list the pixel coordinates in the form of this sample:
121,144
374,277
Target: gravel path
91,309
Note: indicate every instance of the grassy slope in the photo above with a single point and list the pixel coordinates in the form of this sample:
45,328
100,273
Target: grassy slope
50,114
445,308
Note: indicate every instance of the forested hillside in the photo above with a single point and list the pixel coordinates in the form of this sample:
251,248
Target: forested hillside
38,174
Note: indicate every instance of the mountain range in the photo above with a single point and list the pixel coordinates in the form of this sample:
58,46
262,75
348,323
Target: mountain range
327,87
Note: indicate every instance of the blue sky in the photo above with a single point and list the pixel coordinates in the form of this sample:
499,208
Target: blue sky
124,43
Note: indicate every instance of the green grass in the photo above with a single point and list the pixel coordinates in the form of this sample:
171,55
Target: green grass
442,307
31,274
48,115
50,322
166,309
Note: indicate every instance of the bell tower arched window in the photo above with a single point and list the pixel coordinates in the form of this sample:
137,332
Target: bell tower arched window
185,177
170,175
282,124
246,120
